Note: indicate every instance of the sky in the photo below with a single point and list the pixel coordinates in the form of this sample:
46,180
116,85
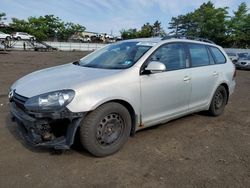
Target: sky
109,16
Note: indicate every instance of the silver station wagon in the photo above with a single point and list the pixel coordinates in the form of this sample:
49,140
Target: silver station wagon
113,92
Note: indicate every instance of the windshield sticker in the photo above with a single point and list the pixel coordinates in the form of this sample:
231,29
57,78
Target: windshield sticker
127,62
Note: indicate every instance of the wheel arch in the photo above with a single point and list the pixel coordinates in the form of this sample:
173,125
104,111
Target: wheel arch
227,89
225,85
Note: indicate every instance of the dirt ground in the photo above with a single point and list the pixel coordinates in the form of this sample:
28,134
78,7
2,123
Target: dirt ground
193,151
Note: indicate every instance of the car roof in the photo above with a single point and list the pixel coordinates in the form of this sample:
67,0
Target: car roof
156,40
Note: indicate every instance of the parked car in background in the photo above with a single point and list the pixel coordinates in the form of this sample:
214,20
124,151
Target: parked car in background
243,63
233,56
5,36
85,39
23,36
78,37
2,47
122,88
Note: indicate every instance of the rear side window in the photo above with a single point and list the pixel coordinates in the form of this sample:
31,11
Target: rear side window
211,58
218,55
199,55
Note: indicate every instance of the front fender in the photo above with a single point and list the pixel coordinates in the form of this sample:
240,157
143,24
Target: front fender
89,99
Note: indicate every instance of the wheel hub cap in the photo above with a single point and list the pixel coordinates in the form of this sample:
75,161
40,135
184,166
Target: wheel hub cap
109,129
218,100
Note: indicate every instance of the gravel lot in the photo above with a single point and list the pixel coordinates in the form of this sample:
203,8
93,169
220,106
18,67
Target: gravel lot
193,151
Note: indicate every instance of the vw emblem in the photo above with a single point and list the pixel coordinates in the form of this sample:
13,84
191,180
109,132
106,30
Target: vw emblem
11,93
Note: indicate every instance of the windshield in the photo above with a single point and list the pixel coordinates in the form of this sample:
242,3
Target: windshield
243,55
116,56
231,54
247,58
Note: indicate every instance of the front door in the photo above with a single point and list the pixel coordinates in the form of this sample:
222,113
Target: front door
166,94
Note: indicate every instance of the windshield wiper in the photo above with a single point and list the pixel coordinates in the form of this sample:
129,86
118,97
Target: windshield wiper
76,62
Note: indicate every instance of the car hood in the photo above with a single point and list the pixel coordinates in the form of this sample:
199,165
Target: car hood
6,35
244,60
67,76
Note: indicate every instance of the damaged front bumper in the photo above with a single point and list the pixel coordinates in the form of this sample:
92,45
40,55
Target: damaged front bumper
53,129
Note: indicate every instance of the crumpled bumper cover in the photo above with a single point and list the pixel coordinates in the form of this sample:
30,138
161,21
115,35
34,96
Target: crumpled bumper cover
33,127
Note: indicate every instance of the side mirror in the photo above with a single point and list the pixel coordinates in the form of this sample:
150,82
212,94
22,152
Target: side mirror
155,67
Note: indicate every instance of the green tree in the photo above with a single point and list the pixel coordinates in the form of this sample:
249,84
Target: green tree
2,17
129,34
20,25
211,22
46,27
182,25
157,29
70,29
206,22
147,30
239,27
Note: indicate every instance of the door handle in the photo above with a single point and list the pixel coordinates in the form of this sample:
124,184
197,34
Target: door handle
215,74
186,78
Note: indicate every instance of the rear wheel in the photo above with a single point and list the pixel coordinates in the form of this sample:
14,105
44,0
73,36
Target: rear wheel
18,38
219,101
105,130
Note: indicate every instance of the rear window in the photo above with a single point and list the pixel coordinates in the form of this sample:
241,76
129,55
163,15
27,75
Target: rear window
199,55
218,55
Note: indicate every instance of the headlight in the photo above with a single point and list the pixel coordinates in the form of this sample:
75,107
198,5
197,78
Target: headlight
50,101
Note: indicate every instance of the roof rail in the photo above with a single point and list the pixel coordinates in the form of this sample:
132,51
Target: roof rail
187,37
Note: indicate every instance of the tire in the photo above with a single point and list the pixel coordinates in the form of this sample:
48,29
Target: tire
8,38
18,38
219,101
106,129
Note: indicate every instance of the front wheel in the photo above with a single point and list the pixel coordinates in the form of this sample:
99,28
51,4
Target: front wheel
106,129
219,101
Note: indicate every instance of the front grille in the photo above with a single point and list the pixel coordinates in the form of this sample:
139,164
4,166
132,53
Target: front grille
19,100
243,63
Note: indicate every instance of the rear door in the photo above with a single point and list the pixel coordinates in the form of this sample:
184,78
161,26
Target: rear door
204,75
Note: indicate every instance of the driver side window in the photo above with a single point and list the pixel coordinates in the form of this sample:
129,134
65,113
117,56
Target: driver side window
172,55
